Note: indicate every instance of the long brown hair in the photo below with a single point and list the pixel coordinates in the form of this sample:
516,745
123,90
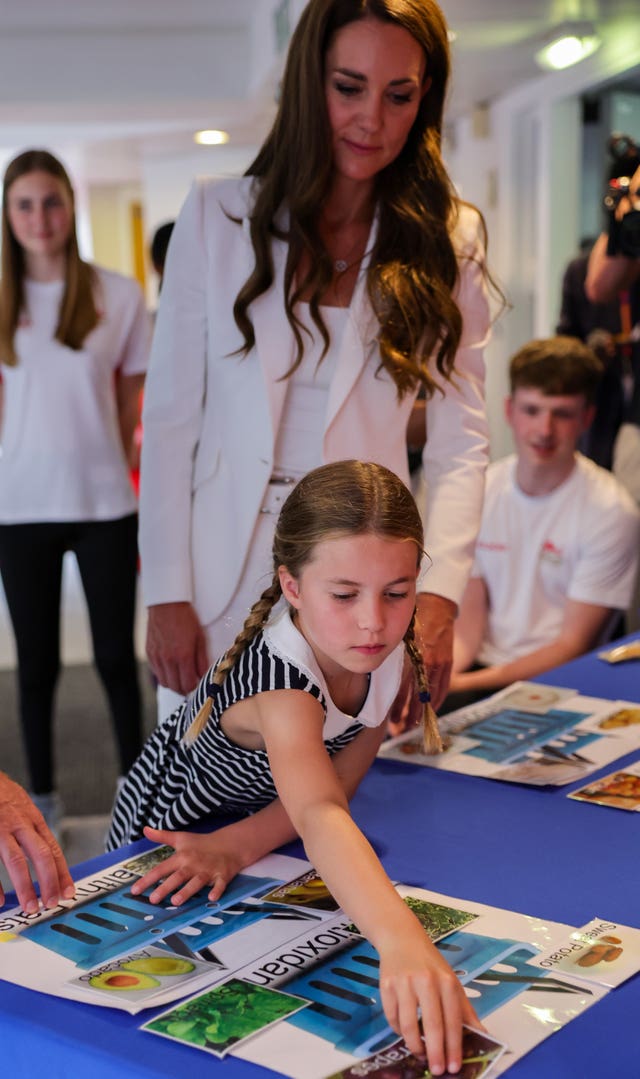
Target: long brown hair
345,498
413,267
78,313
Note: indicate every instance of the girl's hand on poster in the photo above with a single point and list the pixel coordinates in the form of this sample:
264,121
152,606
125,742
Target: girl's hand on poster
198,860
421,994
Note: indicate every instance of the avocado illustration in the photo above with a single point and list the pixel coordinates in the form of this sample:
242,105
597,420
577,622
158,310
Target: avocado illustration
160,965
121,979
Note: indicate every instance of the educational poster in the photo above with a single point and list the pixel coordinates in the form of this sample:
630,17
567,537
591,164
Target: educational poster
528,733
294,988
118,950
336,971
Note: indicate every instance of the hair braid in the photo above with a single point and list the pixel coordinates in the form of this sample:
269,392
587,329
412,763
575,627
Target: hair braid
431,739
254,622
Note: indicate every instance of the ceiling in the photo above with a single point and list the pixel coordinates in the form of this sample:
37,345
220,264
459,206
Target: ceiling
143,74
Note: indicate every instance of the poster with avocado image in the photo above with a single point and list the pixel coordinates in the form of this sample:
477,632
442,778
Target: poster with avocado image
77,950
144,979
112,948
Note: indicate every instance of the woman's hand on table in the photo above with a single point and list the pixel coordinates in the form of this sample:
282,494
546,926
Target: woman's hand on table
25,837
198,860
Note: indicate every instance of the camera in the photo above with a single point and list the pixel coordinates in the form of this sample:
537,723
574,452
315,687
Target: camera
623,235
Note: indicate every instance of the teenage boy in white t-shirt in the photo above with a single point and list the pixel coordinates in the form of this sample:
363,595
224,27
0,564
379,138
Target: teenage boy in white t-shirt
557,553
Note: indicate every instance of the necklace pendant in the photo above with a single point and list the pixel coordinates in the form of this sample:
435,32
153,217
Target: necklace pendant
341,265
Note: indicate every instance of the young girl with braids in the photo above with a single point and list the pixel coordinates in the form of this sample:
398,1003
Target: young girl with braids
286,725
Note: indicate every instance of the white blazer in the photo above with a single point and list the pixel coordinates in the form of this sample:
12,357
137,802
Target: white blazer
211,416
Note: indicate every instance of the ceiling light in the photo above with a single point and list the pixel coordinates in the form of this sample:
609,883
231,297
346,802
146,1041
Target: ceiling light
569,43
211,137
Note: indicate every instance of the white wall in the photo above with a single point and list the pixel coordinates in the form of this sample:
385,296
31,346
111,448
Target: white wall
525,173
110,213
166,180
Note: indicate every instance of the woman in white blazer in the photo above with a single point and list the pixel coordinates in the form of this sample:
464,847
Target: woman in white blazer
349,214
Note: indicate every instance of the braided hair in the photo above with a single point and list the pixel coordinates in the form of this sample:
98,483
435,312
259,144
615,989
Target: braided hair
343,498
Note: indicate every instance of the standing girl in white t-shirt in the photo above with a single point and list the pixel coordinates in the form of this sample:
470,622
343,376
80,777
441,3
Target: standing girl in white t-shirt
73,348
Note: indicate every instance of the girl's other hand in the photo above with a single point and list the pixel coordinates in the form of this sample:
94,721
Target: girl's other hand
421,993
197,860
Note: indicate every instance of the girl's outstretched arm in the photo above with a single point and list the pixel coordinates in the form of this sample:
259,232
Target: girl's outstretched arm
414,978
216,857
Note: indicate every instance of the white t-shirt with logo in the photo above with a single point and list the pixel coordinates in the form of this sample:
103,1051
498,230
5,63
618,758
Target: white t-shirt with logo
62,457
580,542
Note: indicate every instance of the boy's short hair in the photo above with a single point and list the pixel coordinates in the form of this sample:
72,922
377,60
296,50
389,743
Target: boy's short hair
558,367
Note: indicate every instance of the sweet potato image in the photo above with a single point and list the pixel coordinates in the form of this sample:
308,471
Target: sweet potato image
603,952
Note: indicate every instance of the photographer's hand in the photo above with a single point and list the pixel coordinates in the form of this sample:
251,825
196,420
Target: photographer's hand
607,275
629,202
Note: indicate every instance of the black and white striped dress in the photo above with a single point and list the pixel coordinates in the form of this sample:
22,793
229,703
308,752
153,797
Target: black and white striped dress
173,785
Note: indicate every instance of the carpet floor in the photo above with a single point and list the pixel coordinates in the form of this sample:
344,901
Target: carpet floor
85,754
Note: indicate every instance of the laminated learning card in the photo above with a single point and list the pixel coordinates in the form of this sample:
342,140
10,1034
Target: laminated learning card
274,972
528,733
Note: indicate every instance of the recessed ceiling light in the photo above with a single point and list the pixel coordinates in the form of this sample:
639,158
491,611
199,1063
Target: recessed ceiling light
211,137
569,44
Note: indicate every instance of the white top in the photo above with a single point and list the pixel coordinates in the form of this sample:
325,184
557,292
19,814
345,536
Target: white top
579,542
62,457
285,640
299,441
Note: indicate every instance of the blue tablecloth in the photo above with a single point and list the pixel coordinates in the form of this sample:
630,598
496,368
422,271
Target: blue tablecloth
525,849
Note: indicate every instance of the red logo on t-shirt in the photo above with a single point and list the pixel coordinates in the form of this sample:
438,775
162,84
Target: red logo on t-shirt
550,552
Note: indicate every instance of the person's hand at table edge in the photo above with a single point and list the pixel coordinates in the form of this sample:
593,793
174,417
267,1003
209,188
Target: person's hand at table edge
25,837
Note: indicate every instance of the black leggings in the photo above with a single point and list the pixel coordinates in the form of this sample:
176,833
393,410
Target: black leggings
31,566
